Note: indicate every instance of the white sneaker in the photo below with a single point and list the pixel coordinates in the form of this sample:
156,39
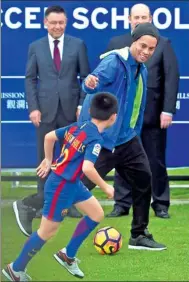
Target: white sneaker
70,264
12,275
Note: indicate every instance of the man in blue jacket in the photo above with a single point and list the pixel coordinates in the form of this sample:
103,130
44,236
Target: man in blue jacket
123,73
162,89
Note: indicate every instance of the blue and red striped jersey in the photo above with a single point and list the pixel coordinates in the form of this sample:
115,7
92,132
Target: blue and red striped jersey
81,141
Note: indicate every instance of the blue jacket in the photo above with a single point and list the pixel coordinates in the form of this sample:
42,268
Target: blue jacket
115,73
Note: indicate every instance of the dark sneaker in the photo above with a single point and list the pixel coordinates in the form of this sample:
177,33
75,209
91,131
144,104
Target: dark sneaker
70,264
162,214
12,275
24,216
145,243
117,212
148,234
73,212
39,214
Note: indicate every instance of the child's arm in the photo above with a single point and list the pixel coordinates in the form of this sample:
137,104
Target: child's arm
50,139
90,171
45,166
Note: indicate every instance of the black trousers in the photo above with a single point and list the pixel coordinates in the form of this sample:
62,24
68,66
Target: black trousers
154,143
132,164
36,200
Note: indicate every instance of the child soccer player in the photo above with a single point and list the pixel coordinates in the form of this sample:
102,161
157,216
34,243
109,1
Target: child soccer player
81,146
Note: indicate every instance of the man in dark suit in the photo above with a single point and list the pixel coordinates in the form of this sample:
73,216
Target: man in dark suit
53,90
163,79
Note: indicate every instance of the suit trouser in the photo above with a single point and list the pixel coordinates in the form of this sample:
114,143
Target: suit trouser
154,143
36,200
131,162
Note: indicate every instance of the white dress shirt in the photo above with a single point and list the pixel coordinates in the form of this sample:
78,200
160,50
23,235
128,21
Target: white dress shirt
169,114
60,45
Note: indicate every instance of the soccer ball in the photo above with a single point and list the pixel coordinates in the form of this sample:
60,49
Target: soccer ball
107,241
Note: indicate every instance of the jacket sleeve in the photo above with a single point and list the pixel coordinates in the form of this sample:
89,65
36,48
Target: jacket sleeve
171,78
31,80
84,68
106,73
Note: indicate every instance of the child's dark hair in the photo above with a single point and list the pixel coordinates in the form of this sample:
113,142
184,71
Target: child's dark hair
55,9
103,105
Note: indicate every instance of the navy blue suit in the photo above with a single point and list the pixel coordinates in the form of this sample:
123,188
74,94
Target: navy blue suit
162,87
55,93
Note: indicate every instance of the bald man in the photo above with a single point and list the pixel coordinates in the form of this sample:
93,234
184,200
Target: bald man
162,87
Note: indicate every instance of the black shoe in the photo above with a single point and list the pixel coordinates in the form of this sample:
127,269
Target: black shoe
143,242
73,212
162,213
118,211
39,213
148,234
24,216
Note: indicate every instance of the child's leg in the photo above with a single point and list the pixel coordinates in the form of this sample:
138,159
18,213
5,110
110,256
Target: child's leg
94,214
35,242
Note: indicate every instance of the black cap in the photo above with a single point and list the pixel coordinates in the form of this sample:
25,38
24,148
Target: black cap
145,29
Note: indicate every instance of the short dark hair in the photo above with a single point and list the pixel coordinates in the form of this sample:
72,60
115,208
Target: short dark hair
103,105
54,9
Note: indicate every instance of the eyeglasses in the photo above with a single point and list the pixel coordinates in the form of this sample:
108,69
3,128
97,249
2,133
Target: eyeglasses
57,22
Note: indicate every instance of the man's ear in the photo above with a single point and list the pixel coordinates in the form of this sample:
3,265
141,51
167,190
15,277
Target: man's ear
129,19
45,22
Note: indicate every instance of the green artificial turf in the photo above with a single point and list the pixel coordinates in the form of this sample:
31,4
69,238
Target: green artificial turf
126,265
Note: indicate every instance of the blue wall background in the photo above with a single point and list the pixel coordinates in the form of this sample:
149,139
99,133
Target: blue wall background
18,134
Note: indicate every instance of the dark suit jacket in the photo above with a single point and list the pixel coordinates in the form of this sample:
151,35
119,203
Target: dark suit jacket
163,78
45,85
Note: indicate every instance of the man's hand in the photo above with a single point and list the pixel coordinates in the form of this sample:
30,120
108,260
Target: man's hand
35,117
91,81
44,168
109,190
165,120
